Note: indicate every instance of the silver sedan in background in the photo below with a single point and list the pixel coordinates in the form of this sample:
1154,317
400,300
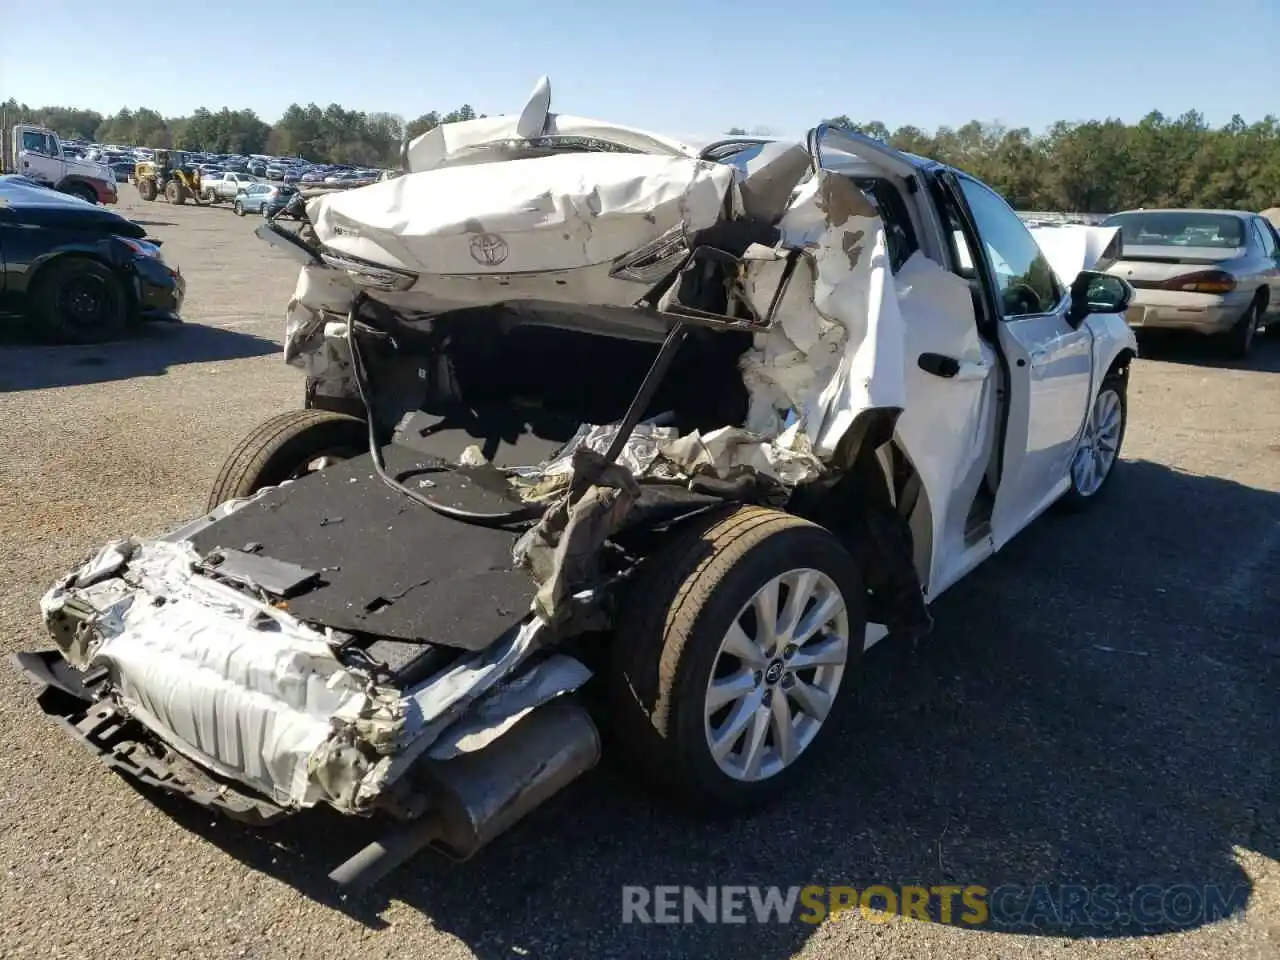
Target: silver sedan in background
1211,271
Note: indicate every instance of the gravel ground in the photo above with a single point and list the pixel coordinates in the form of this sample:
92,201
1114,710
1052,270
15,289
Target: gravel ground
1097,705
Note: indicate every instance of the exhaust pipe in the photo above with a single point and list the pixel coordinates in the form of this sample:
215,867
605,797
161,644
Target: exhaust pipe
477,796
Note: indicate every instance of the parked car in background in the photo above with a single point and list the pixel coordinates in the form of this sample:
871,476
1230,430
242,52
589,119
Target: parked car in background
75,273
1214,272
224,186
266,199
122,170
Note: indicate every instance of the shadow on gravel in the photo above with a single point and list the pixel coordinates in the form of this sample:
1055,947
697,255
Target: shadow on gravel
148,351
1089,735
155,223
1176,346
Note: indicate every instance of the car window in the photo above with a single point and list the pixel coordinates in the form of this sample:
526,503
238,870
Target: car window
1025,281
1265,238
1178,228
35,142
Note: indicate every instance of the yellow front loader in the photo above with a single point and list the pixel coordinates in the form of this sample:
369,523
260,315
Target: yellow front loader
170,175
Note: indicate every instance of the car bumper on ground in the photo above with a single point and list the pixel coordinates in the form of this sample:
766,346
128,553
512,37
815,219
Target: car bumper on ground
160,289
1198,312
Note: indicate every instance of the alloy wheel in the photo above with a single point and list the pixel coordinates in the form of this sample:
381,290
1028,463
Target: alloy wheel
1100,445
776,675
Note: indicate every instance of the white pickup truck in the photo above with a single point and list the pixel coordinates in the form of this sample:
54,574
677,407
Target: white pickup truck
224,186
38,155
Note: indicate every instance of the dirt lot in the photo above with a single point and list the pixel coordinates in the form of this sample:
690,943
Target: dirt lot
1097,706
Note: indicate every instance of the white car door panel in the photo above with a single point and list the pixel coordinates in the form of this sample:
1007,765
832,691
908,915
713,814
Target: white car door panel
1051,366
949,422
36,159
1050,361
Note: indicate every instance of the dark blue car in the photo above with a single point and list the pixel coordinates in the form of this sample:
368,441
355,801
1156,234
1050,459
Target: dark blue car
74,272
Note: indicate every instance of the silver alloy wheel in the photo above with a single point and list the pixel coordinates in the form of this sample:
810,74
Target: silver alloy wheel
1100,444
776,674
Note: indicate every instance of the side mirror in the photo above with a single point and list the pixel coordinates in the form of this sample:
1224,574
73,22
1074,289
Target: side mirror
1096,292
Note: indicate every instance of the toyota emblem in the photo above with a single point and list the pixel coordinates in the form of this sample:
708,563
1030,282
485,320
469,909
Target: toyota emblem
488,249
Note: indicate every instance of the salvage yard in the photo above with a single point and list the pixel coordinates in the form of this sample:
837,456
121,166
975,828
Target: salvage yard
1096,706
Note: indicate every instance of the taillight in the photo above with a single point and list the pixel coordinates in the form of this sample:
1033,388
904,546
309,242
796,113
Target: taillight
1204,281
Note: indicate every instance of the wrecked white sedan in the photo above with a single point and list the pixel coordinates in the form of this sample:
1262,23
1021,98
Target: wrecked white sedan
583,400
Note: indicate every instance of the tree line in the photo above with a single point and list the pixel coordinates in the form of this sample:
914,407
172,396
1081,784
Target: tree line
320,134
1092,167
1100,166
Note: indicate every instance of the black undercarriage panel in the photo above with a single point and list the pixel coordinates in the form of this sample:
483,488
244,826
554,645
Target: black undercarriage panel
388,566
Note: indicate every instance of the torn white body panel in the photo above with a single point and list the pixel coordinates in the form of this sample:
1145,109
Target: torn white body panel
837,344
248,692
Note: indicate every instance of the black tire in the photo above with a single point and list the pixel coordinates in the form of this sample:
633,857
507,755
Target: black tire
81,190
78,300
282,448
671,624
1239,340
147,189
1076,497
239,208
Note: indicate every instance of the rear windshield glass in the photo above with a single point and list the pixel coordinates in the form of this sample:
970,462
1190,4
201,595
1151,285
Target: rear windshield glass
1177,228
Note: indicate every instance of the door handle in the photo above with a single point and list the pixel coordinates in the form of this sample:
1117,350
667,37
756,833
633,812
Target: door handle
949,368
938,365
1039,357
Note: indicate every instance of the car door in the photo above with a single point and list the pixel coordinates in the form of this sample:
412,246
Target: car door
1266,236
1049,361
36,156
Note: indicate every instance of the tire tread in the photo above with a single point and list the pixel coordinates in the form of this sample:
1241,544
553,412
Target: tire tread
251,456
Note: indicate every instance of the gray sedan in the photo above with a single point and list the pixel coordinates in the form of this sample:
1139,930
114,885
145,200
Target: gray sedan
1211,271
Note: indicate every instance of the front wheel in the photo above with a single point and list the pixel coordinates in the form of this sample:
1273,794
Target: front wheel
735,646
83,191
239,208
288,447
1100,442
77,300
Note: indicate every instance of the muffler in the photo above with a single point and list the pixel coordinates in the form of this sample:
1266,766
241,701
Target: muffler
476,796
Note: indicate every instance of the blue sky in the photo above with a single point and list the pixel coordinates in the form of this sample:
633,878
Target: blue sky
690,68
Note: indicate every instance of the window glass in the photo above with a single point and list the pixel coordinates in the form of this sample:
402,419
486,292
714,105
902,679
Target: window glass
1178,228
35,142
1025,281
1265,238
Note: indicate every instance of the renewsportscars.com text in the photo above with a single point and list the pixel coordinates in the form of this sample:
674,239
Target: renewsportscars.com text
1179,905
